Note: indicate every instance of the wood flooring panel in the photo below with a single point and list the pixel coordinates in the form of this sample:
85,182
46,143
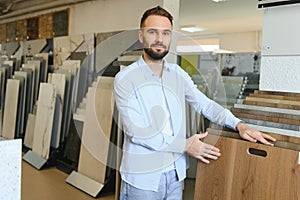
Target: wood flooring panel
274,105
11,108
291,94
269,96
266,113
297,103
44,120
237,174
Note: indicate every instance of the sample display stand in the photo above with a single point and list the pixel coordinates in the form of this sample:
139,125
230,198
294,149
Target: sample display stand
94,175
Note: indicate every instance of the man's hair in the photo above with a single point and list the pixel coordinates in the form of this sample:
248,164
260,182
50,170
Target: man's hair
156,11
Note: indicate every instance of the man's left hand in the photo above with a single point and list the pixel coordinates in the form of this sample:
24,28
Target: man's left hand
253,135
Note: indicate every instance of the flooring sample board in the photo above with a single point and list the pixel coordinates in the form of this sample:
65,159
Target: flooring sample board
45,56
97,130
267,118
11,109
269,96
269,104
248,171
27,93
44,120
34,82
21,106
276,130
297,103
28,76
268,109
271,124
290,94
37,66
10,168
59,81
28,138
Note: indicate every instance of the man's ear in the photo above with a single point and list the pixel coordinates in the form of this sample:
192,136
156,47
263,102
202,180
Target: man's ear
141,36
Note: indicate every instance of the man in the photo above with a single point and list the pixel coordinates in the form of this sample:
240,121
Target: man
150,96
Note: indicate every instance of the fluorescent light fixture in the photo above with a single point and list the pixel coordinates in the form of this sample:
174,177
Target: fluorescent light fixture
191,29
196,48
218,1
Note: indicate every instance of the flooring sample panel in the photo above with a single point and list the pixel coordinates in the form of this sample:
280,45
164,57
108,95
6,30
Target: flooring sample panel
243,172
269,96
45,56
97,130
59,81
273,101
11,109
31,66
21,106
271,124
276,130
291,94
10,159
44,120
269,104
37,65
28,138
268,109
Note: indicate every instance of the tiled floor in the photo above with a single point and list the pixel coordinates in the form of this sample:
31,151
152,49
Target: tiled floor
49,184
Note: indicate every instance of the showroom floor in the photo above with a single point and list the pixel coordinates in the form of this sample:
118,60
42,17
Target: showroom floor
49,184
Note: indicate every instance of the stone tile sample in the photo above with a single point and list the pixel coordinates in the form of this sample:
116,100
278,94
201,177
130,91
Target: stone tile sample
59,81
10,159
28,138
37,65
21,106
11,108
31,67
44,120
97,130
45,56
64,46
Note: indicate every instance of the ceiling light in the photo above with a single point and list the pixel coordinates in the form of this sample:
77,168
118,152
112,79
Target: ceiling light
191,29
218,1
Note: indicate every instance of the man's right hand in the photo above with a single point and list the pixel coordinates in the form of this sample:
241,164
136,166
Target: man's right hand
200,150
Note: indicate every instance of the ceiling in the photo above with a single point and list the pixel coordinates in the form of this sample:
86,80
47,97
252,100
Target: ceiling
215,18
223,17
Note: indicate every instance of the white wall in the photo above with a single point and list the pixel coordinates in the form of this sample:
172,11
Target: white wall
241,42
280,61
108,15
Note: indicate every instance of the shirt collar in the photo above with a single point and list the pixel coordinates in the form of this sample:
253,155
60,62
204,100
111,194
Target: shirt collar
141,63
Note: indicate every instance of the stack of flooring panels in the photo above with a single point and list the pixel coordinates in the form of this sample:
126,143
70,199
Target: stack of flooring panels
271,112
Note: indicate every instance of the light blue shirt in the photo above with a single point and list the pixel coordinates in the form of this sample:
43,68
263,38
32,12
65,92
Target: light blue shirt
147,150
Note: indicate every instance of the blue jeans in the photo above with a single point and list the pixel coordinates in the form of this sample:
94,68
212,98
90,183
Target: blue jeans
169,189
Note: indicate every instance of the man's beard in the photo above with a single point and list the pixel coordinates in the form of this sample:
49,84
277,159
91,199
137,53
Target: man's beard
154,55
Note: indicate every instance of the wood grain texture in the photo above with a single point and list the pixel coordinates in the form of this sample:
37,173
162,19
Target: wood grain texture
266,113
269,104
239,175
291,94
273,100
267,118
271,96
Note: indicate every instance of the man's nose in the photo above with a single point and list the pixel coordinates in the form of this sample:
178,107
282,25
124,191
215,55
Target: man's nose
159,37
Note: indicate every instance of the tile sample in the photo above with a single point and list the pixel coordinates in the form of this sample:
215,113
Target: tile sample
59,81
28,138
11,108
44,120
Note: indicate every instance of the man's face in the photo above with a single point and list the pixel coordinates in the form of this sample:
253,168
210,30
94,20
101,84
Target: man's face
156,36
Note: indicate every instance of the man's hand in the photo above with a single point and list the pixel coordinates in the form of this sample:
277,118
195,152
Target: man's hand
200,150
252,135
